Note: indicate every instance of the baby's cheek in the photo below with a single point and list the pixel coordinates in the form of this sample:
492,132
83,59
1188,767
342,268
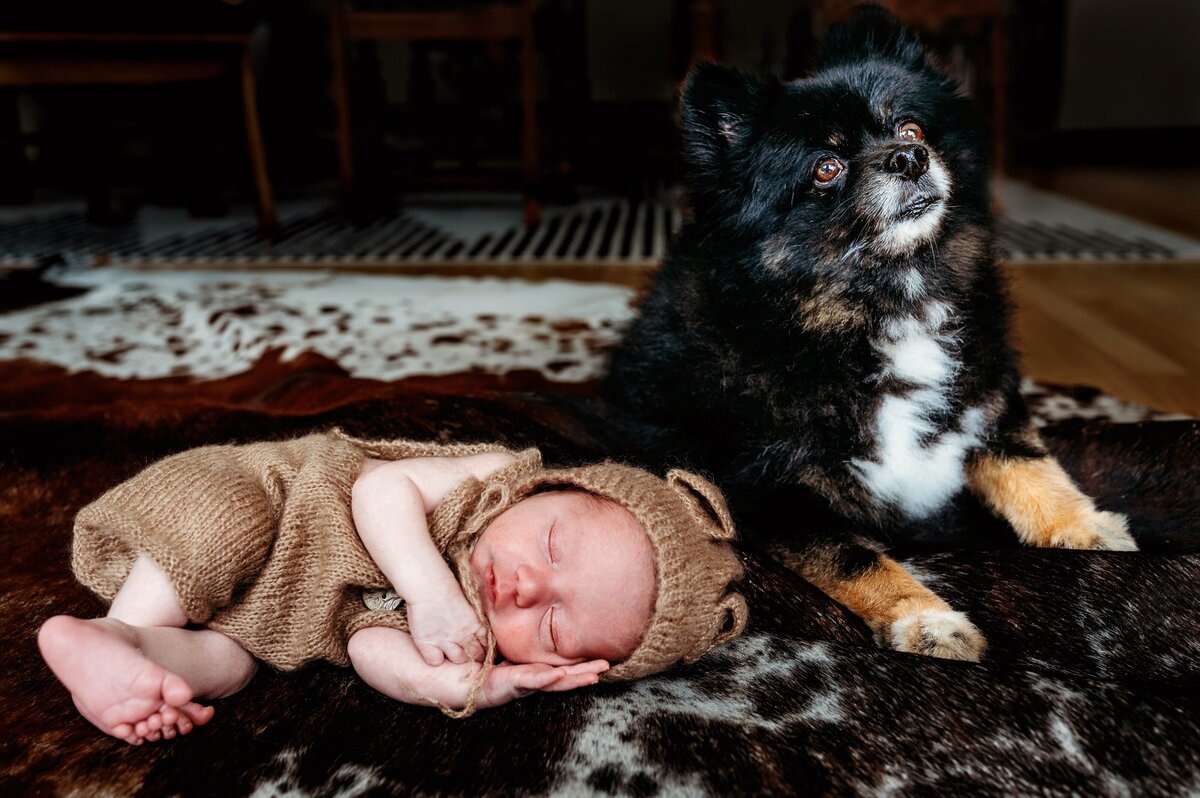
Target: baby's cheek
506,640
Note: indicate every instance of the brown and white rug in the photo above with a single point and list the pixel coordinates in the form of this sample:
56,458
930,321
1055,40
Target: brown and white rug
1091,686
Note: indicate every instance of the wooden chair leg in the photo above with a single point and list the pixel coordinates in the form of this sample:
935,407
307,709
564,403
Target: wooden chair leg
341,96
529,138
17,186
999,96
267,215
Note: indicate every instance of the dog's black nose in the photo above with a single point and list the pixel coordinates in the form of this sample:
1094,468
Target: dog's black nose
909,160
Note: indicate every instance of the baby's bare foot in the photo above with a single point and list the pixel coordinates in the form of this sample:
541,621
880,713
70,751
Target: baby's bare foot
114,685
174,721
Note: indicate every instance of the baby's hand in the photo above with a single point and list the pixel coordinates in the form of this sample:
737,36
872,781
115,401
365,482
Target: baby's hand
507,681
446,628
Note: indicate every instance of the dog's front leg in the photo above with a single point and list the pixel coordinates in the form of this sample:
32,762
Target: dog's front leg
1042,503
902,612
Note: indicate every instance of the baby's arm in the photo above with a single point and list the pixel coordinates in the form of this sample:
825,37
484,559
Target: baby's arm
390,502
388,660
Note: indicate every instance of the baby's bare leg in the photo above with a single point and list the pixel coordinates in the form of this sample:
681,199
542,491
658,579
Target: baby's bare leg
138,682
146,598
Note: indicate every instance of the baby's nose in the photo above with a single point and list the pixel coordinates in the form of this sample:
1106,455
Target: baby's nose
531,584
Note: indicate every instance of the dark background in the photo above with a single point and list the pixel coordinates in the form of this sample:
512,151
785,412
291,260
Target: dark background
1088,82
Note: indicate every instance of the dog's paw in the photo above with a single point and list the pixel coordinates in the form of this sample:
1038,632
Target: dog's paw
1096,530
937,633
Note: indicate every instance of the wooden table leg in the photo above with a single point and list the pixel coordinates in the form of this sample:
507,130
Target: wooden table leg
267,215
341,97
531,171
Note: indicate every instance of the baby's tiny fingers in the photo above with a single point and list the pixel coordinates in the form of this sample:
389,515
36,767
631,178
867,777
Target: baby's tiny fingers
570,681
455,653
530,679
592,666
431,654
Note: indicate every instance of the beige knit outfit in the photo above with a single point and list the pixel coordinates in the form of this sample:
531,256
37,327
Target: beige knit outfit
259,543
258,540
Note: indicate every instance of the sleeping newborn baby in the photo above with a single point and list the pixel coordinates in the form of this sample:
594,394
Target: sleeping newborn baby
418,564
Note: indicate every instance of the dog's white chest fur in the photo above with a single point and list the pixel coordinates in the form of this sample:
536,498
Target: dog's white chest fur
913,469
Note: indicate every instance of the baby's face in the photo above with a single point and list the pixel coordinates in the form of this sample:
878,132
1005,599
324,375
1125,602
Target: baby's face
565,579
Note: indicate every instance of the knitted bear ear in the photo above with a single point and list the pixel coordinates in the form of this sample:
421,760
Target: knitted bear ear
727,622
736,614
704,500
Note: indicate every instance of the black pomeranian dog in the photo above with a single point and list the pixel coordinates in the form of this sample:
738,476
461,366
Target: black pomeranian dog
829,337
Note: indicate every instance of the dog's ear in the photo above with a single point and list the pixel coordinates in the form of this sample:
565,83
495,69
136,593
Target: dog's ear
872,32
718,109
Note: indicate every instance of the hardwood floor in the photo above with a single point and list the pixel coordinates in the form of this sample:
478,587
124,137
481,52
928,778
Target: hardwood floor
1132,329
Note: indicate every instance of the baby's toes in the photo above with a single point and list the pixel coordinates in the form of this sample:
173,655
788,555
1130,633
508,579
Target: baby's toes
938,633
196,714
169,715
168,732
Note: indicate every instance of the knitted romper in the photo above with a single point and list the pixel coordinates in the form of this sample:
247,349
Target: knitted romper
258,540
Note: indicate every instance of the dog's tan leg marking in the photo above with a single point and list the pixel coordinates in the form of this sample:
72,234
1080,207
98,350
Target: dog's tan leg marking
1044,506
902,612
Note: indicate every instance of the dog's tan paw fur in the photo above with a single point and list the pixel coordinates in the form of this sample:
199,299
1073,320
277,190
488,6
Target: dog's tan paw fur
1096,529
937,633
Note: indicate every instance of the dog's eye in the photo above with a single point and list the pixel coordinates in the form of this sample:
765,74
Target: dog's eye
827,170
911,131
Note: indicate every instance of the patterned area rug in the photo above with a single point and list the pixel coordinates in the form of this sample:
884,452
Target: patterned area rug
207,325
1090,687
212,324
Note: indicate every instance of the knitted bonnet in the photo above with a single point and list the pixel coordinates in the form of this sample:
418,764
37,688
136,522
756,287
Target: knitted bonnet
689,527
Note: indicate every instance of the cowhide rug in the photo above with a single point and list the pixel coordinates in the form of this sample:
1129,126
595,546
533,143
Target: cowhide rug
1090,686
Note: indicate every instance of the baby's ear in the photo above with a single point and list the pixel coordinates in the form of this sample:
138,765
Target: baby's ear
704,500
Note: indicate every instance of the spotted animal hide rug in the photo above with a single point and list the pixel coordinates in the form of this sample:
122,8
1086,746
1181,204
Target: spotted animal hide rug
1091,685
